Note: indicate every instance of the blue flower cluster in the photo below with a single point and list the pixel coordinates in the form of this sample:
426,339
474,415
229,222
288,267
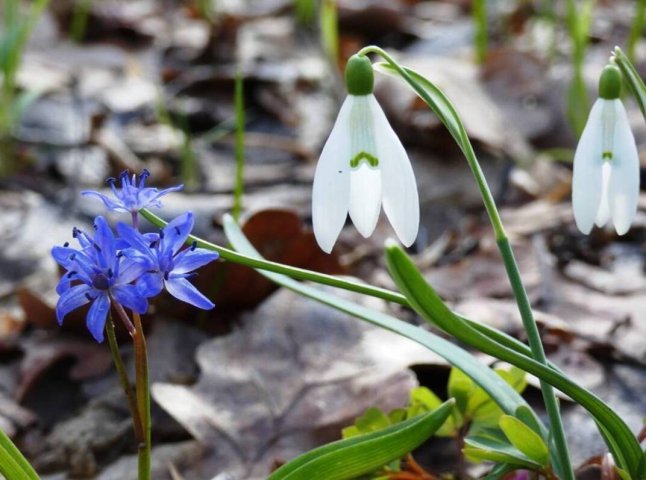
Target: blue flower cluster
132,267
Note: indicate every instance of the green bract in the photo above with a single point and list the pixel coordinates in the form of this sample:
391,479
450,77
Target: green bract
359,77
610,82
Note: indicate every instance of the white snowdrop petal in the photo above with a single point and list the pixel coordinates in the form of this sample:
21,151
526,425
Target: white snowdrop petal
365,198
623,189
587,176
603,213
400,197
331,190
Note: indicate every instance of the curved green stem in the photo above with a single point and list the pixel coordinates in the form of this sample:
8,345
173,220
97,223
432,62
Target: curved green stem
294,272
458,132
427,303
443,107
332,281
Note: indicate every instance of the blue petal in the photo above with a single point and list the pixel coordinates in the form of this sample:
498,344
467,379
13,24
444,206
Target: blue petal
129,297
130,269
64,284
71,299
107,201
133,237
176,232
183,290
64,255
104,240
192,259
149,197
150,284
97,315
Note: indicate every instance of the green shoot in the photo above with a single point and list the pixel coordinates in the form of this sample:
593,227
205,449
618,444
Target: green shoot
239,146
578,20
330,30
305,11
17,28
636,29
481,35
79,20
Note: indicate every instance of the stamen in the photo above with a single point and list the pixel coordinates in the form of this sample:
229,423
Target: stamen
66,244
178,231
89,297
110,273
110,181
142,177
193,245
75,232
71,273
161,234
166,274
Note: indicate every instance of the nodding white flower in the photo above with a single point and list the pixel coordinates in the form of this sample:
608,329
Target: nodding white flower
362,166
605,184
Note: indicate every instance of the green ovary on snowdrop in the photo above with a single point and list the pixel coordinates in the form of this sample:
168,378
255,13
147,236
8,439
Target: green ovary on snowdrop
363,164
605,184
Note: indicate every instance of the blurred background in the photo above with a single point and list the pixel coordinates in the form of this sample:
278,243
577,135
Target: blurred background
91,88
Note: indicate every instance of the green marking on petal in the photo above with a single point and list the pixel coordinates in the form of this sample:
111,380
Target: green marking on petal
607,155
364,157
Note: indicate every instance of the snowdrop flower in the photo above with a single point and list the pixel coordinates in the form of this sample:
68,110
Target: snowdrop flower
363,164
605,184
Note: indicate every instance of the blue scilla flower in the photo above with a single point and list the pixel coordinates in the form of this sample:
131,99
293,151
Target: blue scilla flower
132,196
169,267
99,272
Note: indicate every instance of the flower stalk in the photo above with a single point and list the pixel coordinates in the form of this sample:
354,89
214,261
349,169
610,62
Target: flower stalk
143,397
124,380
511,266
122,272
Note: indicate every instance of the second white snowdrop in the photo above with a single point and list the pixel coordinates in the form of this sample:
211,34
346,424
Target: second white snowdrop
605,185
363,166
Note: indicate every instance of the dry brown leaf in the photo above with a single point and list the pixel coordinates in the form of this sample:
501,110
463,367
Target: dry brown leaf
288,380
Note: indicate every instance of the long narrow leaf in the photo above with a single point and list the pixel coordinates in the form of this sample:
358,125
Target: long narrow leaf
506,397
360,455
13,465
429,305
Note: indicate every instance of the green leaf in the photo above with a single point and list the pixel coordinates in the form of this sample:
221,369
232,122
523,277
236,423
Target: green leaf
500,472
528,417
329,25
13,465
372,420
525,439
491,445
482,410
429,305
460,387
349,458
423,400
